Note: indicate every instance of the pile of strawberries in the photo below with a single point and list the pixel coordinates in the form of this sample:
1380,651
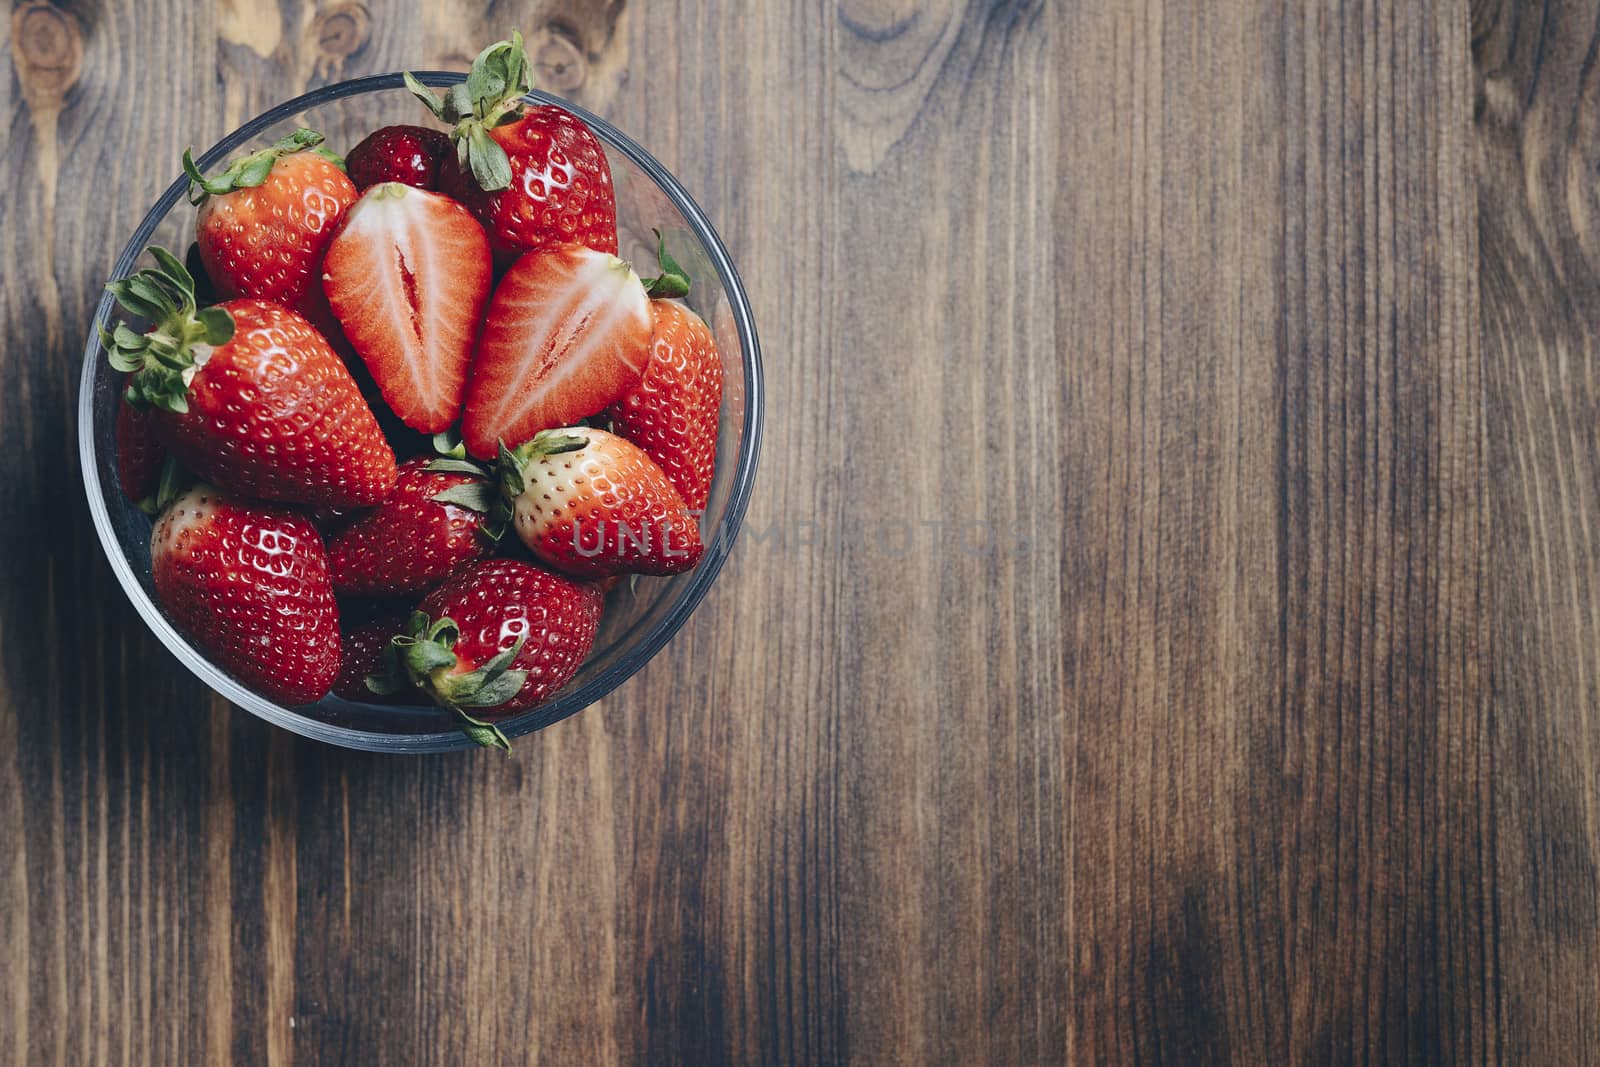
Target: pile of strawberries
370,371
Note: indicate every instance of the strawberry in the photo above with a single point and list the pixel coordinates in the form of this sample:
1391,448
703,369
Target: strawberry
567,333
414,539
407,277
498,637
248,395
406,154
139,454
265,222
364,648
672,412
536,176
591,504
249,584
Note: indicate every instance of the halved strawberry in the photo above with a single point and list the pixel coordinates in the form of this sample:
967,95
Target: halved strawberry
414,539
249,584
673,412
265,222
247,394
567,333
497,638
407,277
592,504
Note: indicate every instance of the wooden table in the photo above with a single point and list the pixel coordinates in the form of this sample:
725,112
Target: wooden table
1245,707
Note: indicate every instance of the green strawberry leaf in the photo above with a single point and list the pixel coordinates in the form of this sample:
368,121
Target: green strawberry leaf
247,171
486,734
218,324
174,480
498,691
454,466
673,280
174,268
254,172
474,496
448,443
490,166
385,684
429,98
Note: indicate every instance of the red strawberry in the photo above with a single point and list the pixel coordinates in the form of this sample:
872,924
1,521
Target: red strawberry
247,395
413,540
536,177
408,276
249,584
406,154
590,503
567,334
672,413
139,454
497,638
265,222
365,647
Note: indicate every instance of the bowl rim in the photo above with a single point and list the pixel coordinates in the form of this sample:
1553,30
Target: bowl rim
698,581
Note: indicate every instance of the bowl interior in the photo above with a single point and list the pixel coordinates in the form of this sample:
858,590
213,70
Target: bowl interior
637,620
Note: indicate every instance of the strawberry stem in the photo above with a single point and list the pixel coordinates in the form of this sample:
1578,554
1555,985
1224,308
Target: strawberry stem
491,96
251,170
163,361
423,656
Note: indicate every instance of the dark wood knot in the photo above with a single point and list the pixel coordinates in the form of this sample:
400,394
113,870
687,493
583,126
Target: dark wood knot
341,31
558,62
47,50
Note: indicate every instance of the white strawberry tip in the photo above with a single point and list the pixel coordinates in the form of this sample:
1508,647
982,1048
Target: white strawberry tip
189,511
511,470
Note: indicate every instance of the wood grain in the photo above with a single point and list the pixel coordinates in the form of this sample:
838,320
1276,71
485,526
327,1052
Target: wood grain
1164,632
1537,113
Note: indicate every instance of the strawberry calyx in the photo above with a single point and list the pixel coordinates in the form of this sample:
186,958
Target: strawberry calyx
251,170
491,96
422,656
478,495
174,481
182,335
511,473
673,282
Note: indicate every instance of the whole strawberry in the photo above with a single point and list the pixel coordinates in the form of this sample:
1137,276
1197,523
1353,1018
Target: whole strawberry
365,647
265,222
406,154
592,504
412,541
139,454
248,395
498,637
249,584
672,413
536,176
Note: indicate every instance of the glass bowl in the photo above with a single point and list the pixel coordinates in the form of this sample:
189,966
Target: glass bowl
637,622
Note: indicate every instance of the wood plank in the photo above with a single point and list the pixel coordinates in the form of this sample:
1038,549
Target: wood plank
1537,114
1274,527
